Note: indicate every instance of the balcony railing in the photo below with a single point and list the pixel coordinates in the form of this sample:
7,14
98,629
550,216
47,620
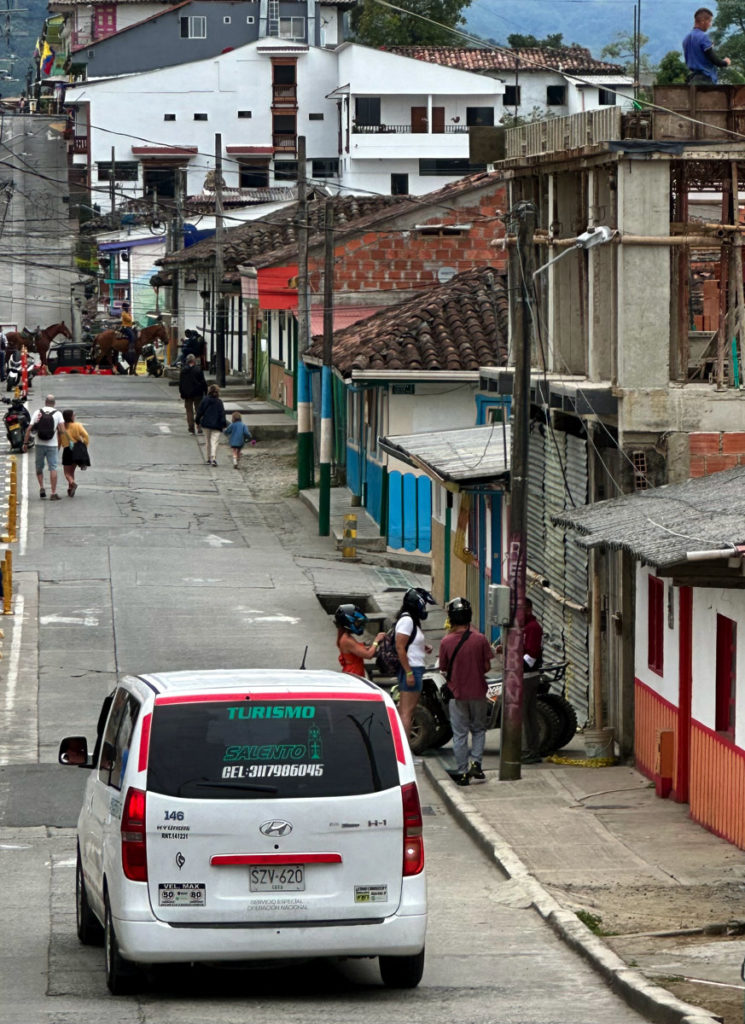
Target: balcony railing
80,144
284,143
284,95
407,129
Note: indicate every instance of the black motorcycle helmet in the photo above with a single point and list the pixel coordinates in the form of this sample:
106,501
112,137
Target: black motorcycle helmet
349,617
460,611
415,602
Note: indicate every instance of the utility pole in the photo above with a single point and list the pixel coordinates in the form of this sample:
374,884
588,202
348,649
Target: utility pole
304,389
112,184
327,422
220,324
521,279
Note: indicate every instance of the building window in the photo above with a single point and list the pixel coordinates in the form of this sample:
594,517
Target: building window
169,117
479,116
193,27
399,184
200,117
726,676
253,175
127,170
315,117
511,96
292,28
655,600
367,110
249,19
556,95
244,113
227,20
606,98
439,168
327,167
285,170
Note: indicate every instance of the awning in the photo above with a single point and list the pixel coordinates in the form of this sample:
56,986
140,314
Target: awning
275,290
464,458
159,152
343,317
256,150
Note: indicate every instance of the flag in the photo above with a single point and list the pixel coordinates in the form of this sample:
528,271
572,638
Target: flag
47,59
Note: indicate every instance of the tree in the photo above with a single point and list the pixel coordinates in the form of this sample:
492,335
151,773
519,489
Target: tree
729,38
555,41
378,26
671,70
621,48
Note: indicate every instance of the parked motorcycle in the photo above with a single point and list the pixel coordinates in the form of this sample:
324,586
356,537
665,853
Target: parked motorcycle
192,344
16,421
153,365
14,379
557,719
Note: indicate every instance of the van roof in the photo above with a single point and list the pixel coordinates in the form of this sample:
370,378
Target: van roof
287,681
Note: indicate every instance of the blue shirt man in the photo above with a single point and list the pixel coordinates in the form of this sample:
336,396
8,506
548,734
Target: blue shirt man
701,60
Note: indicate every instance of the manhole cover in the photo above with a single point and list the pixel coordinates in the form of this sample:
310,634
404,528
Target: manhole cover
394,579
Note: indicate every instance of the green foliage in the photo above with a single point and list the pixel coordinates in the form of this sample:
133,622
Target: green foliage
671,70
515,120
728,35
553,41
375,25
621,49
591,921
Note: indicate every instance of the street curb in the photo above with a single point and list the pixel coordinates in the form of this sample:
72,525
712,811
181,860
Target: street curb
638,992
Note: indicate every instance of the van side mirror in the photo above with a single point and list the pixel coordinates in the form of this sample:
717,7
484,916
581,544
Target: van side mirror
74,750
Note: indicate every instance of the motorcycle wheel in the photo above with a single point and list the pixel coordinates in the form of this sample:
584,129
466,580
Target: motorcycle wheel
566,713
423,730
549,728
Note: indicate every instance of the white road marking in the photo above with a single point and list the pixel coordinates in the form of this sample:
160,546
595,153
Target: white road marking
216,542
258,615
84,619
201,579
163,428
23,510
15,655
14,846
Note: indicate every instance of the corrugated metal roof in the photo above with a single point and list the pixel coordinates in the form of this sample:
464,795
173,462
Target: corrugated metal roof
660,526
468,455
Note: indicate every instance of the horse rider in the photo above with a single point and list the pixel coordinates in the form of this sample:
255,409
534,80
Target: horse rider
127,328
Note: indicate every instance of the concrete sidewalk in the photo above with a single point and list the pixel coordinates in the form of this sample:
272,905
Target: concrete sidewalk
575,837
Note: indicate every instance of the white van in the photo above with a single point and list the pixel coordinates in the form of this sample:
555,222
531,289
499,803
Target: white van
249,815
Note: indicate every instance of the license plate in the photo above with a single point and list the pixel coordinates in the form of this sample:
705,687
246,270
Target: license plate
287,878
494,691
181,894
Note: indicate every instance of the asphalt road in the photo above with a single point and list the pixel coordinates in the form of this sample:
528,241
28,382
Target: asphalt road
160,562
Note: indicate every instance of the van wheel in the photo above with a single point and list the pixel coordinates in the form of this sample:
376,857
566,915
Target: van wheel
549,728
122,976
423,730
402,971
89,927
566,713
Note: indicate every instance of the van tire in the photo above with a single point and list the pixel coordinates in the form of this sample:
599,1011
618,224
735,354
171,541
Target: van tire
402,971
89,927
122,976
566,713
423,730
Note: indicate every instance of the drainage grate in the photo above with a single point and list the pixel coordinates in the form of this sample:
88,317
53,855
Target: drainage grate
394,579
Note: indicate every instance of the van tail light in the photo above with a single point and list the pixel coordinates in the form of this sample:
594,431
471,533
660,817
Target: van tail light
134,850
413,841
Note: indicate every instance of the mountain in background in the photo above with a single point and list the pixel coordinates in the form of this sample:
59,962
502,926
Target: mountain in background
591,23
19,30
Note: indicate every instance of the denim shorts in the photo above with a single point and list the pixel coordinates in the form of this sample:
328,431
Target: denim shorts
409,686
48,452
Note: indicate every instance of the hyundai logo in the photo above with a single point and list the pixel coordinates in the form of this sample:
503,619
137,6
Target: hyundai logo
276,828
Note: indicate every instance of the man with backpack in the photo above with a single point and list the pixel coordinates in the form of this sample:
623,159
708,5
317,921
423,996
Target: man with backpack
47,425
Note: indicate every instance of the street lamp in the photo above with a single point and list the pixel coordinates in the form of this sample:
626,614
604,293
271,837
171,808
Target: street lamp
587,240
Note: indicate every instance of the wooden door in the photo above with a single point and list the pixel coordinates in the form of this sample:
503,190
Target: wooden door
419,120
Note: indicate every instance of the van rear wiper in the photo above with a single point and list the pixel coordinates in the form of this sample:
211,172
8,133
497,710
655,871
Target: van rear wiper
218,784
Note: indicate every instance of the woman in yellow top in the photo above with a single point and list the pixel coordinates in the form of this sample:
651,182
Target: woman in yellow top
128,324
72,458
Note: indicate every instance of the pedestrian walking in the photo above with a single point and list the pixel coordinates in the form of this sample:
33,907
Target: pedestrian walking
211,416
532,664
350,623
465,658
238,434
192,387
47,425
701,59
411,650
74,442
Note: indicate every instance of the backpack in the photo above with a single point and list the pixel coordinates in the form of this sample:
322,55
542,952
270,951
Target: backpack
45,426
387,661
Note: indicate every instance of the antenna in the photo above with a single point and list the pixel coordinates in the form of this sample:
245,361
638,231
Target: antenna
305,655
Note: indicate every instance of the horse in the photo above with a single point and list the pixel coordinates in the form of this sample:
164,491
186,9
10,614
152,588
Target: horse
107,343
38,339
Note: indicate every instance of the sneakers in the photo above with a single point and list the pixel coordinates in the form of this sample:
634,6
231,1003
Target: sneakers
214,462
54,497
531,758
476,773
42,493
462,780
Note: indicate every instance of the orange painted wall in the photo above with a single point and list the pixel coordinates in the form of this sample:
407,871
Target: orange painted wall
651,713
717,794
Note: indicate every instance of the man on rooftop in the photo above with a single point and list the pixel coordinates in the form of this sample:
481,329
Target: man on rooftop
701,59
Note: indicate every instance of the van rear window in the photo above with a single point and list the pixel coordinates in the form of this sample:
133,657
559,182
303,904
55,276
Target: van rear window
271,749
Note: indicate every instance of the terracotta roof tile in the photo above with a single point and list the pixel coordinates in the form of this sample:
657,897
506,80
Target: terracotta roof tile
461,325
569,58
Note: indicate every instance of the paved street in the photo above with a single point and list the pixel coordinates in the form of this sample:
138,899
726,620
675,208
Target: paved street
161,562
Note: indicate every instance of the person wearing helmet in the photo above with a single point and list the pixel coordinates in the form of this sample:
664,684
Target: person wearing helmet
465,658
411,650
350,623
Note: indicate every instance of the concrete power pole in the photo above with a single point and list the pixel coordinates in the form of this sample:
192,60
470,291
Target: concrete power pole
220,340
521,280
327,422
304,390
